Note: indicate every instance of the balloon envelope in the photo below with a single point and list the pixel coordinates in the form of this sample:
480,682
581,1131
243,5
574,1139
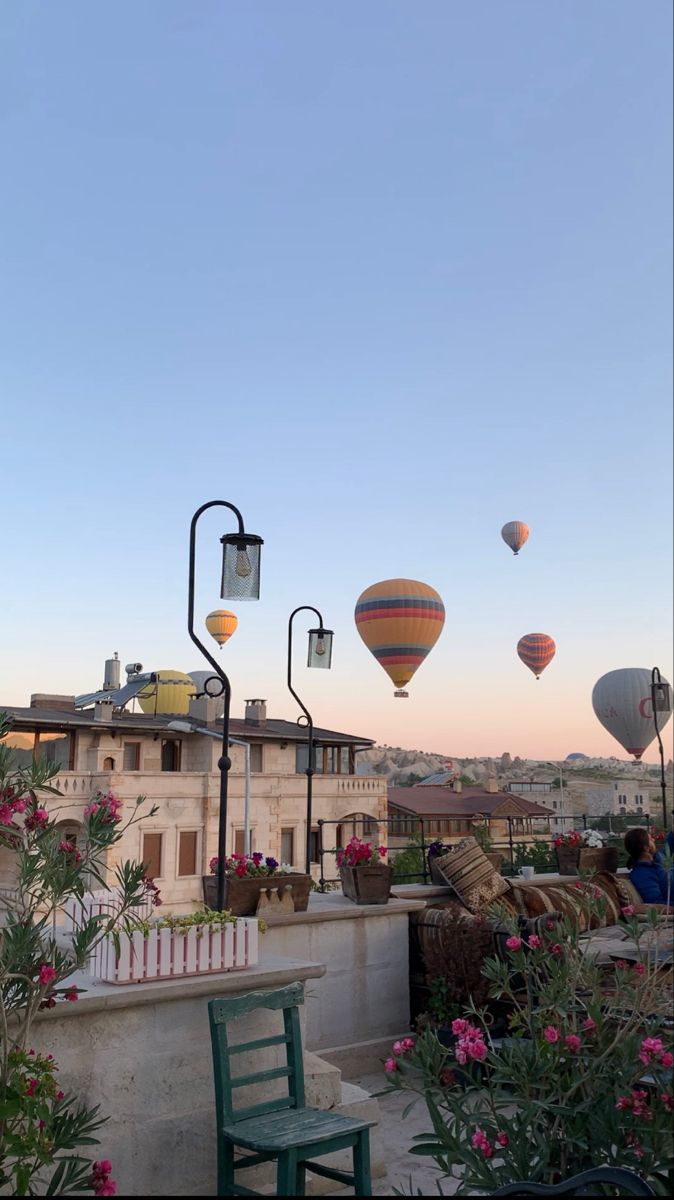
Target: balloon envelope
170,694
622,703
400,620
536,650
515,534
221,624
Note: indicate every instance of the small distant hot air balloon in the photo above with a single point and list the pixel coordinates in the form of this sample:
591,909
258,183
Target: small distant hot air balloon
400,620
536,650
515,534
622,702
221,624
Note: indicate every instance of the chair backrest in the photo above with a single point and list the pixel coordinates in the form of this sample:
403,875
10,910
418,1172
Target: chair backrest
626,1181
220,1012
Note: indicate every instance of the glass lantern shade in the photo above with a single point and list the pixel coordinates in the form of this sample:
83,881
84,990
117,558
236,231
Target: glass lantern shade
661,698
320,648
240,566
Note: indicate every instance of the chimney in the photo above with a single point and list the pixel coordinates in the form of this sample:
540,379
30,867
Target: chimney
256,712
112,676
103,710
492,786
456,785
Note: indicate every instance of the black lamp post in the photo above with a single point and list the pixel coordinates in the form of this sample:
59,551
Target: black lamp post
319,655
240,581
660,702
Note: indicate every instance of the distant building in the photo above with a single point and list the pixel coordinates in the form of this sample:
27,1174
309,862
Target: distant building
134,754
451,813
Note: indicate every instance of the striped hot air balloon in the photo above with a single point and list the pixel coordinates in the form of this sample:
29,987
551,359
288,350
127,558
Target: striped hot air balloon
400,620
515,534
221,624
536,650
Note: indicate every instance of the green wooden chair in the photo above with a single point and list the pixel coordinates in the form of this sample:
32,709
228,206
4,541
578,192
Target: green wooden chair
281,1129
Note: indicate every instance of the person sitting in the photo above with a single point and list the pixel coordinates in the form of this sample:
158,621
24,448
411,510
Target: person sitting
654,884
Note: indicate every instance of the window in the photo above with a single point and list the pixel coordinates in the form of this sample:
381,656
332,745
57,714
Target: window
188,844
57,748
239,841
288,846
554,804
108,764
152,853
170,755
328,760
256,757
313,846
132,756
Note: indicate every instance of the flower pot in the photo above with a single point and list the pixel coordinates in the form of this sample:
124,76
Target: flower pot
169,953
242,896
567,859
601,858
367,885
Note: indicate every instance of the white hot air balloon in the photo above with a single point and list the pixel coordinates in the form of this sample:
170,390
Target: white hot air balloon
622,702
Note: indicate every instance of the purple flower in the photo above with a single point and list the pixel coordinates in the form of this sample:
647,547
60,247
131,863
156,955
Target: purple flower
271,863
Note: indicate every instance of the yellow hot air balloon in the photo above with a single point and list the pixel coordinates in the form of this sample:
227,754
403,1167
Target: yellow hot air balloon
400,620
170,694
221,624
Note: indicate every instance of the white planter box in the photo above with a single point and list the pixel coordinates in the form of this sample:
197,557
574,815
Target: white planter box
169,953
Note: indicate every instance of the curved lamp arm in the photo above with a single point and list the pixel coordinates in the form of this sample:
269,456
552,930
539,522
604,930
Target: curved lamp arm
190,606
310,728
302,608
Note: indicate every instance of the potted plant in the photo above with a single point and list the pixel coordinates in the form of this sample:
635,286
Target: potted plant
196,944
567,851
365,878
595,855
585,1080
247,876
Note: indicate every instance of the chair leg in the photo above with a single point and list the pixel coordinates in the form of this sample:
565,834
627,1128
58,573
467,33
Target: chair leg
286,1173
301,1179
361,1164
225,1167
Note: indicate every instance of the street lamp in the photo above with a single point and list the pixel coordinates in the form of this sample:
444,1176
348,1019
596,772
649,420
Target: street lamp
240,581
186,727
660,702
319,655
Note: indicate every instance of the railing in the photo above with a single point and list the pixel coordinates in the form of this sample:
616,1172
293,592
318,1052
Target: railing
520,847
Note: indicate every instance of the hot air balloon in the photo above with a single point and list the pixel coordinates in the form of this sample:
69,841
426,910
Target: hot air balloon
221,624
536,650
400,620
515,534
622,702
170,694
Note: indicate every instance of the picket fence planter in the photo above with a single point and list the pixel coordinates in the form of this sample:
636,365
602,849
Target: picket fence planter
172,953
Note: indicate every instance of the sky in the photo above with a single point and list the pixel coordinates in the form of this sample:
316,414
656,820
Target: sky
385,276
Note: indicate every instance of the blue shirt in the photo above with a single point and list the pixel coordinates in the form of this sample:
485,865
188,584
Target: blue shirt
651,881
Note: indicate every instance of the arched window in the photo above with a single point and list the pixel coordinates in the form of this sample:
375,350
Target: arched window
108,764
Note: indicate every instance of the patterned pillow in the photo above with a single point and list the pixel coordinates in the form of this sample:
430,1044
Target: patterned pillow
571,899
468,870
627,892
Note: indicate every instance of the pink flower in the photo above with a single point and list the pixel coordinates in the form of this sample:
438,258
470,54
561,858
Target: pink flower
667,1059
397,1047
556,949
623,1102
72,995
551,1034
502,1139
19,805
589,1024
40,816
622,965
572,1042
638,968
6,814
668,1101
628,910
459,1026
481,1142
104,1167
534,941
60,1095
47,975
390,1066
407,1044
513,943
107,1187
31,1087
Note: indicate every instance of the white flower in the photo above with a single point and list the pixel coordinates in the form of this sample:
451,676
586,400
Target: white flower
593,838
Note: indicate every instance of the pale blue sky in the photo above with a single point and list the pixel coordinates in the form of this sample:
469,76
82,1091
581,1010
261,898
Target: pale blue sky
384,274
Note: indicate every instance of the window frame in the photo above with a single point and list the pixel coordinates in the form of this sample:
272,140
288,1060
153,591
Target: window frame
162,849
292,830
137,744
198,830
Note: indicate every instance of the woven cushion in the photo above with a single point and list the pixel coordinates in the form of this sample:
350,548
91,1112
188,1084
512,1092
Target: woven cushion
627,892
571,899
468,870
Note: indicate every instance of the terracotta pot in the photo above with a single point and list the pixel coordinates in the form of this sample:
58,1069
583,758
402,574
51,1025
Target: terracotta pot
242,895
567,859
367,885
601,858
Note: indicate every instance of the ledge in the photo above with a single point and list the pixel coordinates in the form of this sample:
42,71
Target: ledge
98,996
332,906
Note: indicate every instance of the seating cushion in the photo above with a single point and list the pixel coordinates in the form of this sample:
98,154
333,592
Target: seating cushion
627,892
468,871
571,899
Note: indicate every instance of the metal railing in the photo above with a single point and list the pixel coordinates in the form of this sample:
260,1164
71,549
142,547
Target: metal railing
520,846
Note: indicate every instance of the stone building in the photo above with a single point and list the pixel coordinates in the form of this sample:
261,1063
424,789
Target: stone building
173,763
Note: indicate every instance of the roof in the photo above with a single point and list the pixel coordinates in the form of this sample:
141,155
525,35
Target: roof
470,802
61,719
